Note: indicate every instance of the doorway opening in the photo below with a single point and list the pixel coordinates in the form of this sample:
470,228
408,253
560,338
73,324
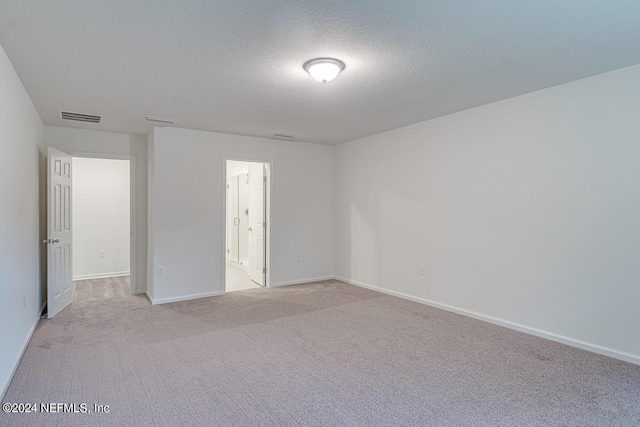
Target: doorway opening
101,223
247,202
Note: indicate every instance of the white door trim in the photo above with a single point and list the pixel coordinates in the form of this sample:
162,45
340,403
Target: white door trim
268,219
133,223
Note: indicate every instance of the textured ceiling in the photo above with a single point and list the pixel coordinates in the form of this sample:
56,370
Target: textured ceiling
235,66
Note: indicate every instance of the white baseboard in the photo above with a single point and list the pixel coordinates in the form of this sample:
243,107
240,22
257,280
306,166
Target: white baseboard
605,351
140,292
302,281
7,381
156,301
101,275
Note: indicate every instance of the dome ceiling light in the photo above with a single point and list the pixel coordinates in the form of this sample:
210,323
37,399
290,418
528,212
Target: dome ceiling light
323,69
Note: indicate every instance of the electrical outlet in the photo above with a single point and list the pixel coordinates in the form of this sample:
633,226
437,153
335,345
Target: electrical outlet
160,271
24,300
423,270
101,254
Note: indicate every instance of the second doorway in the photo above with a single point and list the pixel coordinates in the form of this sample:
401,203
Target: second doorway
246,224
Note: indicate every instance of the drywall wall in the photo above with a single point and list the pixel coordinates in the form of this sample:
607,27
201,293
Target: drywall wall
189,202
94,143
524,211
21,132
149,215
101,241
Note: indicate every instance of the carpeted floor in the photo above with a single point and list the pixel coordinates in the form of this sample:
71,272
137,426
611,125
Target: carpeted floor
103,288
321,354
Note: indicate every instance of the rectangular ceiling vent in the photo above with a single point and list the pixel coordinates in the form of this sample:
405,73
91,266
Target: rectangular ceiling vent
162,120
78,117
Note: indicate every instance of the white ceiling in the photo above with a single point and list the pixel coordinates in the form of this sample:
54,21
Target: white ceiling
236,65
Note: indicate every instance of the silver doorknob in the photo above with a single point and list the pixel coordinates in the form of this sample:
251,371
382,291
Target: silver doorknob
51,241
250,229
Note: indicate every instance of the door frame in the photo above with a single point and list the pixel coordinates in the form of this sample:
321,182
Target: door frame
133,224
267,231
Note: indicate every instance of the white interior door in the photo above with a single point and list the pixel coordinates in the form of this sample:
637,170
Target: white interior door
59,289
256,223
243,213
233,220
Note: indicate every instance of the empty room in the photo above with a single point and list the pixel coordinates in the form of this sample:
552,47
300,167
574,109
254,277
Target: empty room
336,213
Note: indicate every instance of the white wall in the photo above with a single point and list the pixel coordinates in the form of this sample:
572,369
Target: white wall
101,241
149,214
188,221
525,210
21,131
79,141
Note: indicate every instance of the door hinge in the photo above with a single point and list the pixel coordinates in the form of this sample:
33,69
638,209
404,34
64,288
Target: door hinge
264,269
264,178
227,185
264,224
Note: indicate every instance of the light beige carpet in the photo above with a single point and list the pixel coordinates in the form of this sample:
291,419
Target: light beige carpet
103,288
321,354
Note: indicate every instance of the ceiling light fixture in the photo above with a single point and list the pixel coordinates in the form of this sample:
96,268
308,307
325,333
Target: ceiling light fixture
324,69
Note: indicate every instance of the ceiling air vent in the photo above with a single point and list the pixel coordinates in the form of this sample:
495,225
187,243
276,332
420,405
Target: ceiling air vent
162,120
283,135
78,117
